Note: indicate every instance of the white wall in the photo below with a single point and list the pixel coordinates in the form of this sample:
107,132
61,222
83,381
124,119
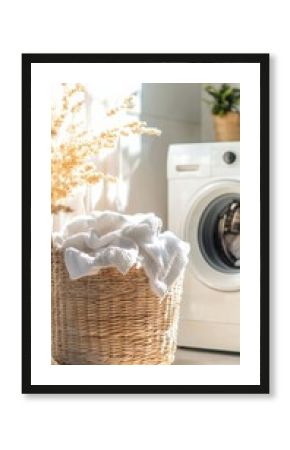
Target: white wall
207,129
175,109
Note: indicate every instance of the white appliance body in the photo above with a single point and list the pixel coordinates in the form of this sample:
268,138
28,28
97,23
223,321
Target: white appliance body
203,179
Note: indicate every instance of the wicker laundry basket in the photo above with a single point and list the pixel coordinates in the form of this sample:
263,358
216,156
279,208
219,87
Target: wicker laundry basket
110,318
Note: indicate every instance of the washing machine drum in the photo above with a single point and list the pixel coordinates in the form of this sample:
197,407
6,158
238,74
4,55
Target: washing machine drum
213,230
219,233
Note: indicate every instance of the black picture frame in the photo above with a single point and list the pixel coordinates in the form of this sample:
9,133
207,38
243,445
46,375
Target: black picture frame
263,61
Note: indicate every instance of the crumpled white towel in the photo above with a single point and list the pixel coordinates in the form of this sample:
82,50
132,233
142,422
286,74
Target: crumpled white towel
110,239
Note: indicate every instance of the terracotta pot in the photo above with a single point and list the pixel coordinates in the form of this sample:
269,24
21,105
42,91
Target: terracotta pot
227,127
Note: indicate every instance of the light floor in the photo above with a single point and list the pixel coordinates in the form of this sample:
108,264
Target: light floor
185,356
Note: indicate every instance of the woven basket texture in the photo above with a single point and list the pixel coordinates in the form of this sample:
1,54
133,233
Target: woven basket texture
109,318
227,127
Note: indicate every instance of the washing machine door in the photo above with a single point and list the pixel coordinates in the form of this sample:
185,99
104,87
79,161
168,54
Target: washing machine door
213,230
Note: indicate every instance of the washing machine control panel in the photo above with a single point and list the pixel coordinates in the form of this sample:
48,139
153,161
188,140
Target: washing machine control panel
229,157
204,160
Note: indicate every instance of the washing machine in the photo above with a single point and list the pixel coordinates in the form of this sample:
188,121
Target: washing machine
204,210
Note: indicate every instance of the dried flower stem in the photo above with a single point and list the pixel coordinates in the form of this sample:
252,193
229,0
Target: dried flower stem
73,146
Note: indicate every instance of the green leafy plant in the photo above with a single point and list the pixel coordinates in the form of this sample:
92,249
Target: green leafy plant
225,99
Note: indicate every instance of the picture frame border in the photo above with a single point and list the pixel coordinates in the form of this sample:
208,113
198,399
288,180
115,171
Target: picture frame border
261,58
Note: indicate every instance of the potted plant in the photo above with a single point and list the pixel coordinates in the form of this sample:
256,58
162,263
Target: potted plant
226,113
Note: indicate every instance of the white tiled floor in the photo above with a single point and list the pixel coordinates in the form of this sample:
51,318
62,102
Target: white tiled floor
185,356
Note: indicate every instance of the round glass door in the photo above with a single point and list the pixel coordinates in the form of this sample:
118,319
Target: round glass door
212,228
219,233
